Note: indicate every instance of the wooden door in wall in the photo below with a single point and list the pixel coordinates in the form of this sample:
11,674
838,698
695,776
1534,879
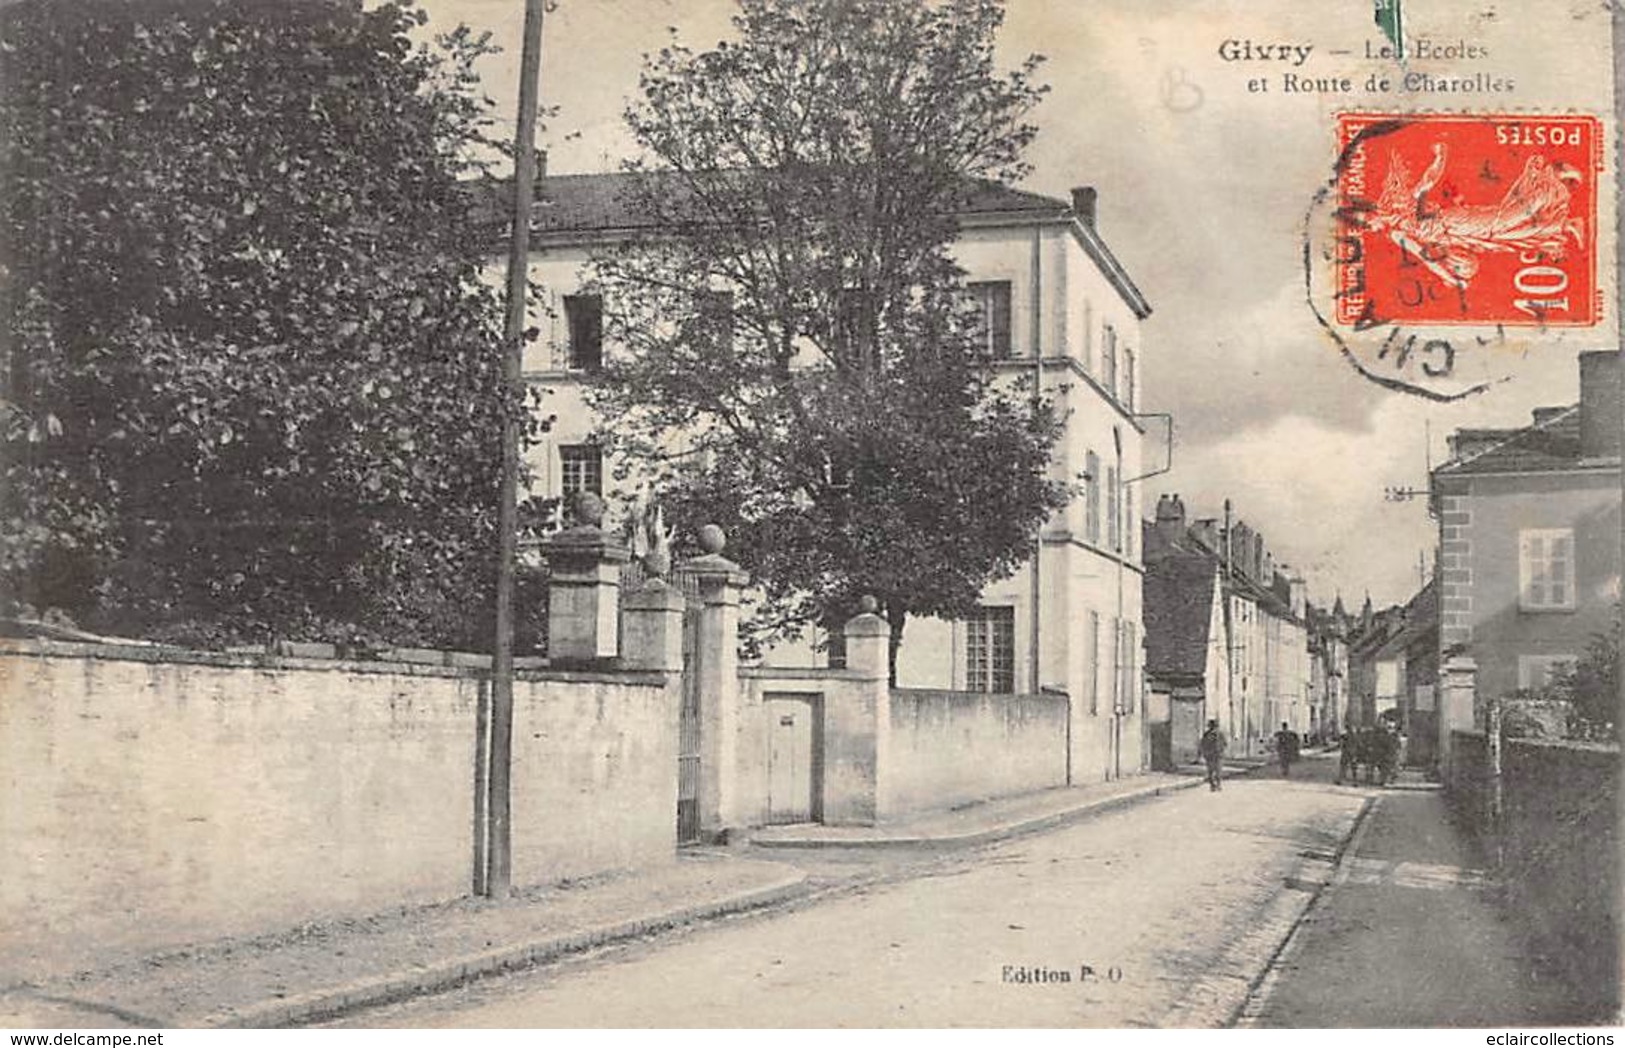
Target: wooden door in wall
794,752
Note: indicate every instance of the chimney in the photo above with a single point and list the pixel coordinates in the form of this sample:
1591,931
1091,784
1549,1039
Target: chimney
1602,416
1083,204
1170,518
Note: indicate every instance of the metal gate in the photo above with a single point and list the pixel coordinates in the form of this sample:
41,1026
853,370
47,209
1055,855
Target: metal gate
688,716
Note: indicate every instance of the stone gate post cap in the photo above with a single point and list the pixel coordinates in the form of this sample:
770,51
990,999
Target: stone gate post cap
866,623
712,540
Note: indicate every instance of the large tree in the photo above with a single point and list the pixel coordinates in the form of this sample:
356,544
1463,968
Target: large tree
249,379
797,316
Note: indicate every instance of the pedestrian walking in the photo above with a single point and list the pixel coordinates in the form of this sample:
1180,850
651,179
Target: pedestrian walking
1286,749
1349,756
1211,747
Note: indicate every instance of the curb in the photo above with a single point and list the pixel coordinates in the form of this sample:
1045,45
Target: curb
1225,998
444,975
974,838
1251,1007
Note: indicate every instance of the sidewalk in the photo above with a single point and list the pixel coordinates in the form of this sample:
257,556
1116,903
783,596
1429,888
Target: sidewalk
986,821
1408,933
333,968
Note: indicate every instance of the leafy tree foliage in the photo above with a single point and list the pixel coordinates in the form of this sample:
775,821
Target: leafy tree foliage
1592,686
251,382
797,315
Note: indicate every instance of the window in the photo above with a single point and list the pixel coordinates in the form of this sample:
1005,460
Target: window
993,302
582,468
714,319
1091,466
1542,671
855,323
1108,360
1125,667
1092,646
584,314
990,650
1128,378
1114,509
1546,570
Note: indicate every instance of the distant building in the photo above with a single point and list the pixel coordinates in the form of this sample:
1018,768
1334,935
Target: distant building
1328,670
1185,639
1394,671
1262,611
1529,537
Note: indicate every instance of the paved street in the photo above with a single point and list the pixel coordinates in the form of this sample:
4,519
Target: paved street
1157,902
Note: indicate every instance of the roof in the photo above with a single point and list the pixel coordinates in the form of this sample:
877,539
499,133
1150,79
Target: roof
1551,444
609,202
1396,628
597,207
1177,602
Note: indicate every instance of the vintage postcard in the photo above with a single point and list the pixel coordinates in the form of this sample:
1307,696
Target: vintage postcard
895,514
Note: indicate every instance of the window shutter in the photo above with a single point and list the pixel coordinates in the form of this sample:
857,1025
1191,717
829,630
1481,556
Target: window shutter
1001,319
558,353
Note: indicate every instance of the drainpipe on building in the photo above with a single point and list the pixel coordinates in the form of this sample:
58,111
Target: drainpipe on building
1035,682
1117,640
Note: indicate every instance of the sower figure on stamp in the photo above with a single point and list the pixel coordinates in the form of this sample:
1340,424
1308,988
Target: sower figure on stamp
1211,748
1286,749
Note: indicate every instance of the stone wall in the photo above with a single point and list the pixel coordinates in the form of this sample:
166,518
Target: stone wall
1560,849
1556,841
952,747
154,798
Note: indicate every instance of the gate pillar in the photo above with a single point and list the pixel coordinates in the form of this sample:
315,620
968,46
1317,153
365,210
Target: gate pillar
583,612
716,654
1456,709
857,727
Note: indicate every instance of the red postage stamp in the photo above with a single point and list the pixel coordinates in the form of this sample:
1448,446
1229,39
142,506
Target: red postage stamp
1467,220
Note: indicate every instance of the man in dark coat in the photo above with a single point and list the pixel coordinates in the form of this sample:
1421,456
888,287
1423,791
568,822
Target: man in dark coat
1351,756
1286,749
1211,748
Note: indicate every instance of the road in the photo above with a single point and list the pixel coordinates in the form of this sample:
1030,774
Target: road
1132,918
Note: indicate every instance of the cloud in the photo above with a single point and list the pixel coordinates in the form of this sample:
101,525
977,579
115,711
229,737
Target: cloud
1314,485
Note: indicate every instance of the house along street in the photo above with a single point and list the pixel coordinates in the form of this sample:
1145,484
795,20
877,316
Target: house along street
1160,914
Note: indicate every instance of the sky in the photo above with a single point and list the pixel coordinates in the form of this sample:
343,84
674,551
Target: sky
1203,186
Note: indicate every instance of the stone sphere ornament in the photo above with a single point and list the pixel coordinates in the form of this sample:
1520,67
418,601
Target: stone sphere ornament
657,563
868,605
712,539
587,508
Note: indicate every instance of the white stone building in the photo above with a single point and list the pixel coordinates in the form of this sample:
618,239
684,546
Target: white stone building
1067,310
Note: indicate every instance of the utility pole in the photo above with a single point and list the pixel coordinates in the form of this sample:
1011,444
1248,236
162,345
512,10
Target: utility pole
1228,592
499,875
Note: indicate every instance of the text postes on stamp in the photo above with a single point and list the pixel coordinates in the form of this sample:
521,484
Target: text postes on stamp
1447,247
1468,220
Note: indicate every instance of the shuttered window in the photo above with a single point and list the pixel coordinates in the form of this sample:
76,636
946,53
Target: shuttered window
1092,519
1546,569
993,303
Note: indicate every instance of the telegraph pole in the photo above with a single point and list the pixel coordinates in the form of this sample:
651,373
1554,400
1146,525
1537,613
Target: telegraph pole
499,876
